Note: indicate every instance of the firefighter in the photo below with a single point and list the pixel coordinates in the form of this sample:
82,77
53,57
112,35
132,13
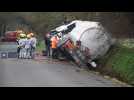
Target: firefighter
21,43
33,45
18,47
28,46
19,35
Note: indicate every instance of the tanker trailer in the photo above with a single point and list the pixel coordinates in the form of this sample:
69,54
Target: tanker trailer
91,39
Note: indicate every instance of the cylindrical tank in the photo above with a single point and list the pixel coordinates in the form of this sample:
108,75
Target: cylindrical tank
92,36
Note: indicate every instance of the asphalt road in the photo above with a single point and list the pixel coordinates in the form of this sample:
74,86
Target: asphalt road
29,73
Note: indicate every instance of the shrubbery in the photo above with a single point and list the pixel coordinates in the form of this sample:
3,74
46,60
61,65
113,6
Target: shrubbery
119,62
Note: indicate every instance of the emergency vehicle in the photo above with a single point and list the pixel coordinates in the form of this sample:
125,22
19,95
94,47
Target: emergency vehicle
10,36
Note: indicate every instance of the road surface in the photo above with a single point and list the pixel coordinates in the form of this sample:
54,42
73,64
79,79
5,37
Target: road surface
45,73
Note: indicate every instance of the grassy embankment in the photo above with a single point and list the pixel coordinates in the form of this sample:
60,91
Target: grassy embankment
119,61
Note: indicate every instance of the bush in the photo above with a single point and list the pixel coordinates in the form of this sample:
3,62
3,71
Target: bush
40,46
119,62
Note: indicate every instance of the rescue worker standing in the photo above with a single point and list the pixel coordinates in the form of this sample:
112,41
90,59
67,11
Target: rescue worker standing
19,33
48,44
28,46
33,45
54,42
21,45
18,47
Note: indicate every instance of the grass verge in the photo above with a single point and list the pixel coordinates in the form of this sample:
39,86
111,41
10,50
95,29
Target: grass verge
119,63
40,46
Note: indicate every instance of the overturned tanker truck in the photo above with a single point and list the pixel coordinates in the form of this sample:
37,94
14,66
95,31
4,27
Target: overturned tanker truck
85,41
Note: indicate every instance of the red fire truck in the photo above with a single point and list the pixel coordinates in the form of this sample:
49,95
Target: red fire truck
10,36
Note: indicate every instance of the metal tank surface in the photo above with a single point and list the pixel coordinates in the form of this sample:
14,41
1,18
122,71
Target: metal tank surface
94,38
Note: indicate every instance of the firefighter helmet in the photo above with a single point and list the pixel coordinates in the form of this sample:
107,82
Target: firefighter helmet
32,34
22,35
28,36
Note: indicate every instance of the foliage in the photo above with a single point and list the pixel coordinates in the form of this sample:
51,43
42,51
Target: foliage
40,46
119,62
120,24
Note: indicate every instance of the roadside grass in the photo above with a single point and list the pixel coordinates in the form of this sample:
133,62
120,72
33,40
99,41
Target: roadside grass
40,46
119,62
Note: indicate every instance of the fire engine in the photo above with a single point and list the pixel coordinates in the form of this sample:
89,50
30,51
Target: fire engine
10,36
